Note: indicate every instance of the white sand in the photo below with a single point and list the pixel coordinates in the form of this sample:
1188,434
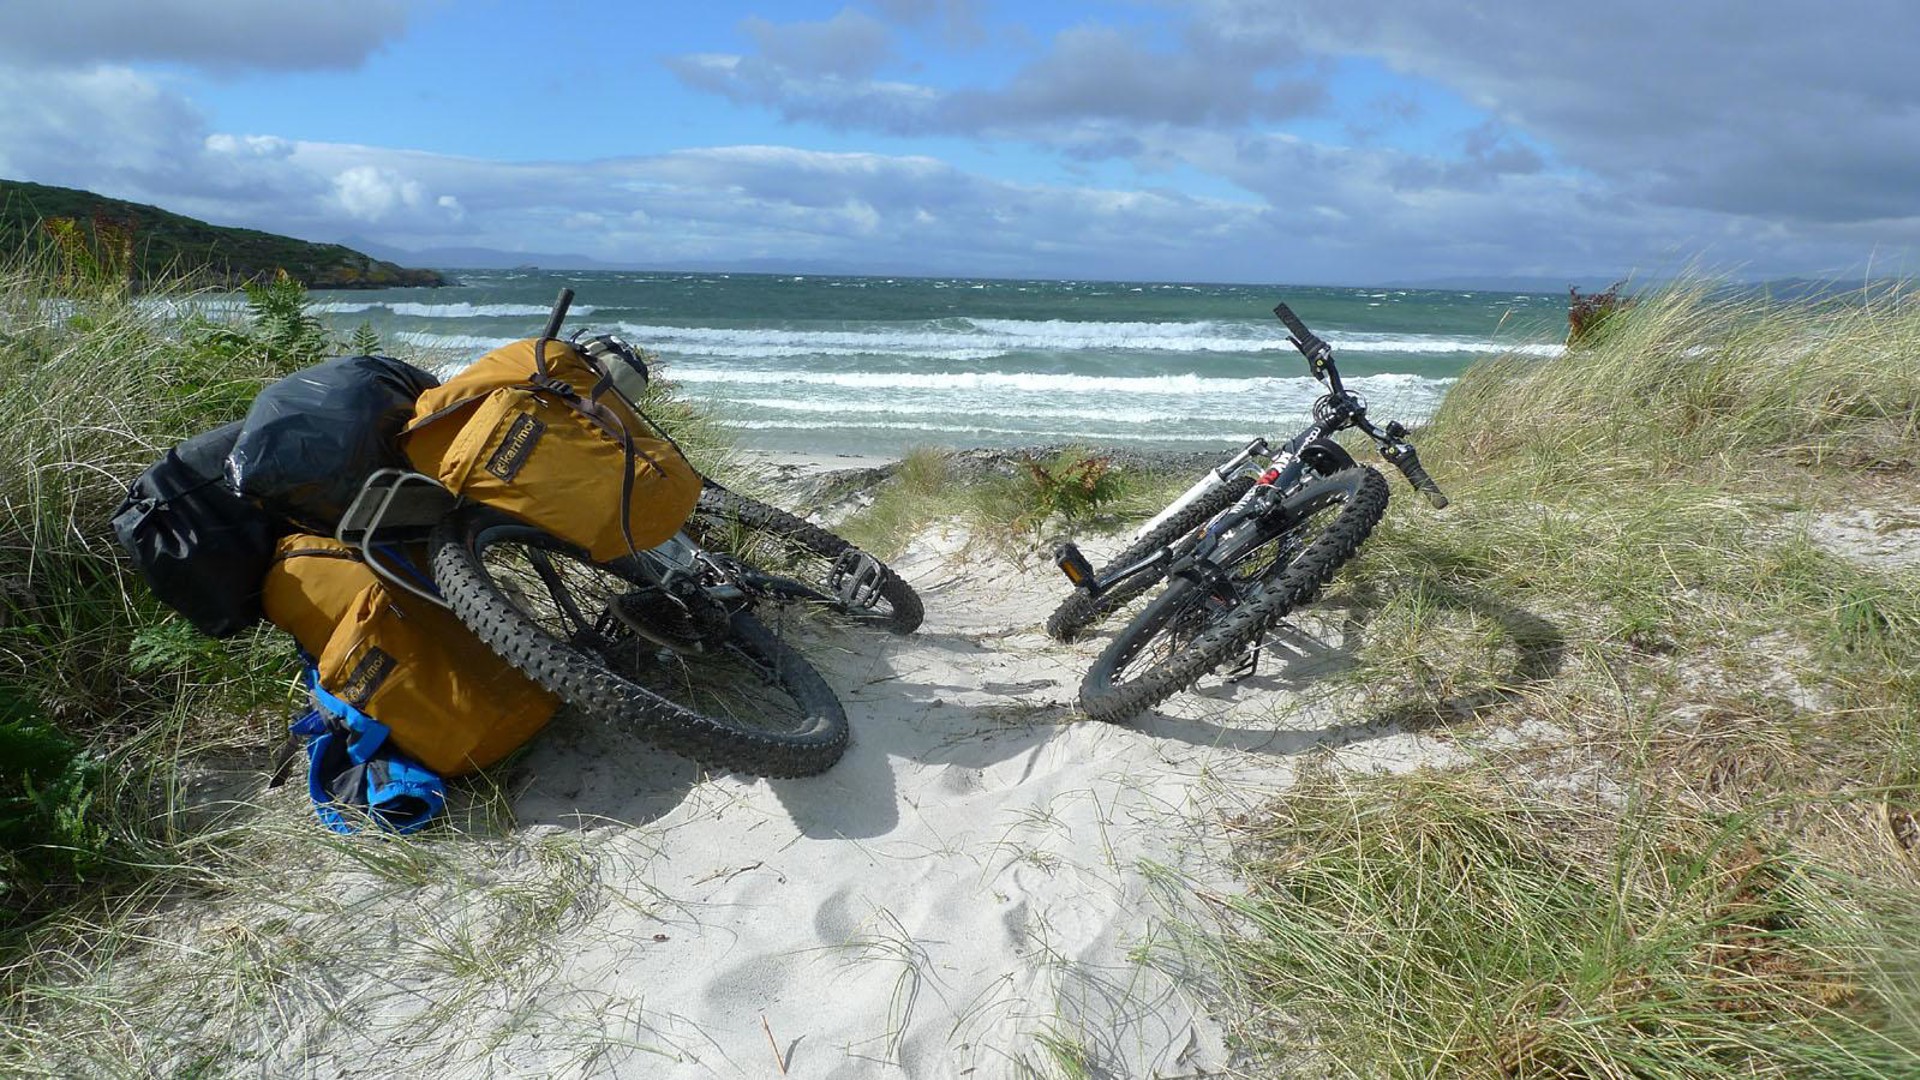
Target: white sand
969,884
812,464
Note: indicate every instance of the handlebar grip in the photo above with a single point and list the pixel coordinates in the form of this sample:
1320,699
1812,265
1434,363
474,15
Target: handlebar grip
559,313
1408,461
1292,322
1319,354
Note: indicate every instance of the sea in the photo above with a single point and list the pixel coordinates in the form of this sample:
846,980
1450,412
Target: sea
879,365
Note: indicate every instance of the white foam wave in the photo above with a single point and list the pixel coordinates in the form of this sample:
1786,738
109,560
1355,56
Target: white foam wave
872,347
952,339
472,311
1027,381
1207,412
1370,342
452,341
980,429
176,306
980,339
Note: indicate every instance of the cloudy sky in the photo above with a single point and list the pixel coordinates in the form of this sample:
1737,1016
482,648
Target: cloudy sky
1301,141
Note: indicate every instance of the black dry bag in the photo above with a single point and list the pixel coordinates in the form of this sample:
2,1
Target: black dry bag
311,439
201,548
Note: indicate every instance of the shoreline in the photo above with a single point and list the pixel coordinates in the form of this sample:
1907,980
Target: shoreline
792,465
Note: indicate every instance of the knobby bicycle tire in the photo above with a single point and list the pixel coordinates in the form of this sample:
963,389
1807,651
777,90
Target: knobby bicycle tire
748,681
1220,633
783,545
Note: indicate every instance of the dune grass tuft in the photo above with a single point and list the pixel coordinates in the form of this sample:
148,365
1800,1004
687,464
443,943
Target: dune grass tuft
1443,925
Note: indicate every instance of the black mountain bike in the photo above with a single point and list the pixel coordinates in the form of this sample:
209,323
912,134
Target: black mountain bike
1256,537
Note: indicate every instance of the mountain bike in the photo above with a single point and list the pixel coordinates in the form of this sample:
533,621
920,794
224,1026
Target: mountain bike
1256,537
687,642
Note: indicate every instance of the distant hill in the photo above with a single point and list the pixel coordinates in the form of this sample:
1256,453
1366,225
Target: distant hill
165,245
1517,284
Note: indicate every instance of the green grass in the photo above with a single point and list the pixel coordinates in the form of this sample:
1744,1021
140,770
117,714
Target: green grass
1444,925
109,698
1697,851
1027,506
1688,841
1684,382
96,387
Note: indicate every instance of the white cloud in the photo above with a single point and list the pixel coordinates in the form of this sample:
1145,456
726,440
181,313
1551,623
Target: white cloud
1091,75
269,147
369,193
1760,136
1496,202
850,44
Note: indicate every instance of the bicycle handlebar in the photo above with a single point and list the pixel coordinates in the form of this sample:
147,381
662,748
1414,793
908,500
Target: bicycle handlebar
559,313
1393,444
1319,354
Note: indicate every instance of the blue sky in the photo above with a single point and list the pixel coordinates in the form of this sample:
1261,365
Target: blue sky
1307,141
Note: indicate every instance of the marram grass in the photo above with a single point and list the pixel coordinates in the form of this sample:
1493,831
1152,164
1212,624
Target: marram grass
1442,925
1691,380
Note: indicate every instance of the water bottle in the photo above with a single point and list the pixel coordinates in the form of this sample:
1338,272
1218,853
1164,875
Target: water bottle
622,363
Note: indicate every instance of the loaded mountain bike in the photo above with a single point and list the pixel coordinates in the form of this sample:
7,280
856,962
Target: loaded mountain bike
688,642
1256,537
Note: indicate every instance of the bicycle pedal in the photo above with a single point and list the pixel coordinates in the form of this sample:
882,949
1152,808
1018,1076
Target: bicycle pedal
857,578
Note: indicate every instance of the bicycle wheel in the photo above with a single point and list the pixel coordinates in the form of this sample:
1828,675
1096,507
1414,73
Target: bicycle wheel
693,678
1079,611
800,561
1195,626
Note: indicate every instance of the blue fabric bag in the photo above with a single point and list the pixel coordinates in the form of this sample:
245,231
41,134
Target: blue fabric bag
354,775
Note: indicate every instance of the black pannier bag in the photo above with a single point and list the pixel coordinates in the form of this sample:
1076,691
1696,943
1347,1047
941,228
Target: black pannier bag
311,439
201,548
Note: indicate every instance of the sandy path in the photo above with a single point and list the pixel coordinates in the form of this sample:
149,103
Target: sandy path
967,894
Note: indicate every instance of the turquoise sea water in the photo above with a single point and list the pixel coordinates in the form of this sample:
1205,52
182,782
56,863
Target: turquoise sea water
877,365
